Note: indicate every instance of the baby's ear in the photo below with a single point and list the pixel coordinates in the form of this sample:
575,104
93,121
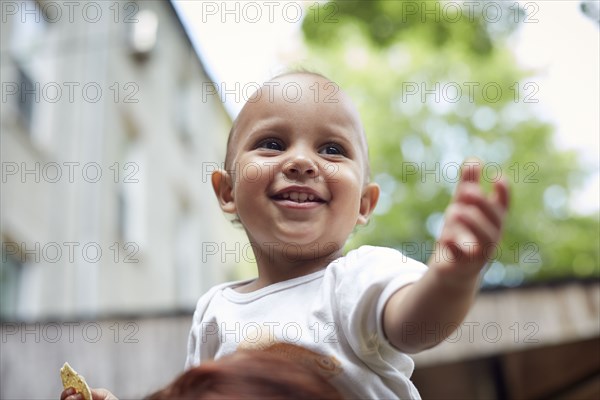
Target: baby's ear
368,201
223,187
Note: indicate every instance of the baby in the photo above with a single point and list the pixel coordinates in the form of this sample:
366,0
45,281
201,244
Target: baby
296,178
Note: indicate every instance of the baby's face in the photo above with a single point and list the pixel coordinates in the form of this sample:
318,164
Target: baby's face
298,166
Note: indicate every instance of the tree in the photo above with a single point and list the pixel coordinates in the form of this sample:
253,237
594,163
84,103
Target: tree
435,83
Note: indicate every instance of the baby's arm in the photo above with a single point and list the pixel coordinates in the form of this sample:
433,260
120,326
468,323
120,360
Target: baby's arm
419,315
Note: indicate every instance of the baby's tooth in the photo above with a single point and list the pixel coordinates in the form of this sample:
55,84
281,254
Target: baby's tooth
302,196
286,196
294,196
311,197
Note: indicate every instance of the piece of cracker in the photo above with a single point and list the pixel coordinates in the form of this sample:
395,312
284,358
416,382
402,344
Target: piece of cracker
70,378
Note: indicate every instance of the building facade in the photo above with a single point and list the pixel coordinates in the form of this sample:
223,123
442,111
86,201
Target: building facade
109,135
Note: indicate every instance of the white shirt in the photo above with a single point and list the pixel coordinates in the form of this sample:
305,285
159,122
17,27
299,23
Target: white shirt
335,314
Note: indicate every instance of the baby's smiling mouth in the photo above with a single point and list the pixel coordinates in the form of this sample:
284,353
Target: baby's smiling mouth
298,196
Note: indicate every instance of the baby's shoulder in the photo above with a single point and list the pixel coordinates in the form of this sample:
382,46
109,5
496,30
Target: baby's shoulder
207,297
371,260
379,254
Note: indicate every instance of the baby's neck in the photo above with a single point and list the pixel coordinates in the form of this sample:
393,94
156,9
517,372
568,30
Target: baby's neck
277,267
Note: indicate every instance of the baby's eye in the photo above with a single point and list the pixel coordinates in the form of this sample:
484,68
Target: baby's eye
332,149
270,144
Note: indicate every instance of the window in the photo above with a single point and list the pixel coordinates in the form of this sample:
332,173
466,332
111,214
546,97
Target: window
183,112
28,95
10,282
30,48
132,205
143,30
185,245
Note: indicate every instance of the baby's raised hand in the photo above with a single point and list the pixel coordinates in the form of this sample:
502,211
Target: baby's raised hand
472,227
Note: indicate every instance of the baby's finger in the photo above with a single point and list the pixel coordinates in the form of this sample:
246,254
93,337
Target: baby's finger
475,220
470,173
70,394
66,393
471,170
456,234
501,195
472,195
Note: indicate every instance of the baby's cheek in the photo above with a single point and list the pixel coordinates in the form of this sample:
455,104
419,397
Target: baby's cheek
336,173
329,172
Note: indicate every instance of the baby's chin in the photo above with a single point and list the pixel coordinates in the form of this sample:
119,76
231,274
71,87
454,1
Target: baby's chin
304,238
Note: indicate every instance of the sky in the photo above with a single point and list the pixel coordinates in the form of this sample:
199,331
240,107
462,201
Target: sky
243,43
564,46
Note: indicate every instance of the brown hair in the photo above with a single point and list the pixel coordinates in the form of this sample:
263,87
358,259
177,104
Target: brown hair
249,374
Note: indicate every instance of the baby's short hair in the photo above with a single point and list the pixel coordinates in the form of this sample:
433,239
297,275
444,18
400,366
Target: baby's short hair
295,71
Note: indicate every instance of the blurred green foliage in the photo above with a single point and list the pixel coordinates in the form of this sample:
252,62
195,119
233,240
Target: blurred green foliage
392,57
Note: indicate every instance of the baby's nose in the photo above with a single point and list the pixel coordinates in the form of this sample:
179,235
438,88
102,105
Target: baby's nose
300,165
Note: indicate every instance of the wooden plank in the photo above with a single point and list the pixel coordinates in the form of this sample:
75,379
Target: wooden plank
474,379
518,319
542,372
566,371
587,390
